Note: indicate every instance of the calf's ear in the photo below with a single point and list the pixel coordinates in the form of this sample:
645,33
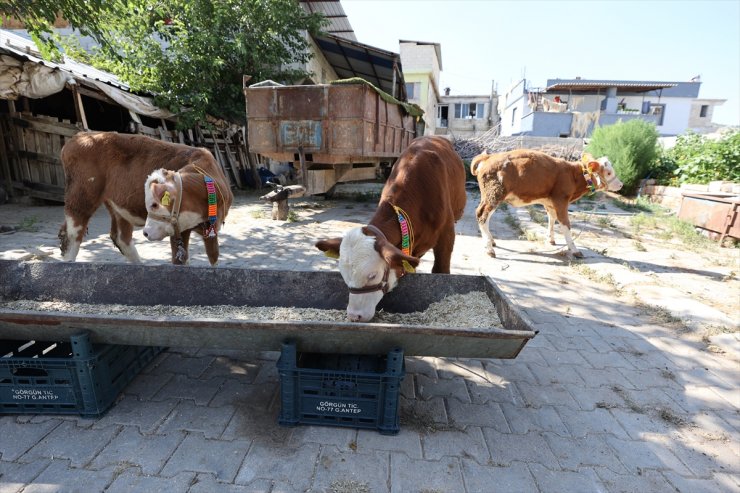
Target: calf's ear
594,166
329,247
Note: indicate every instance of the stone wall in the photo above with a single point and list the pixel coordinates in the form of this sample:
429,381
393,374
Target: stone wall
671,197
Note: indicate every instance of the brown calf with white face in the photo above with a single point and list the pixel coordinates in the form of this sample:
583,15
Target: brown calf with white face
421,201
194,198
107,168
523,177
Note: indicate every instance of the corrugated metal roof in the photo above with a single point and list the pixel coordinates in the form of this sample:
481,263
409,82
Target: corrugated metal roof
19,44
593,85
353,59
338,21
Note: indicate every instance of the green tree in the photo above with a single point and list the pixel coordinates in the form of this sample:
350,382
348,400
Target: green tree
188,53
630,146
39,16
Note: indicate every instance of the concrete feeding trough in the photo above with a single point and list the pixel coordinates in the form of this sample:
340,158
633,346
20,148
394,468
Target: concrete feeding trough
148,285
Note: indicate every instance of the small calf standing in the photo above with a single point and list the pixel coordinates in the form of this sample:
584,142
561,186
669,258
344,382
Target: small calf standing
108,168
523,177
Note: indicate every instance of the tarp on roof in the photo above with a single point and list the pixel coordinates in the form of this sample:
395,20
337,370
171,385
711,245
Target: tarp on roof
138,104
29,79
38,78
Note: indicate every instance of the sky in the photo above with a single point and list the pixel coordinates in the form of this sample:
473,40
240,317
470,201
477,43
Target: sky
498,42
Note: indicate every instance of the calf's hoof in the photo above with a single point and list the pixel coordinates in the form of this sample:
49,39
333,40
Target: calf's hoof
577,254
491,253
552,242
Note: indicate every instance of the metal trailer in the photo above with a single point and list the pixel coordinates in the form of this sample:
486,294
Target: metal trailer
139,285
331,133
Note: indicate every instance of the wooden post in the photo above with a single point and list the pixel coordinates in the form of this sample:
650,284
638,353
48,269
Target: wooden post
79,109
250,161
280,210
4,160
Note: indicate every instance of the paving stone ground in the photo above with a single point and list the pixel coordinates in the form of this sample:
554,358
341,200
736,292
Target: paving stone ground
606,398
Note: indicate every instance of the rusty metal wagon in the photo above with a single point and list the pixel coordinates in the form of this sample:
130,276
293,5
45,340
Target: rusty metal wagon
331,133
100,284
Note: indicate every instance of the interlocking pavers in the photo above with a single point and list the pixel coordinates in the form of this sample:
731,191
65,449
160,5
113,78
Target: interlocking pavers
341,471
196,453
294,466
186,416
15,475
148,452
489,415
408,441
132,480
62,477
68,441
589,451
465,442
17,438
484,478
412,475
147,415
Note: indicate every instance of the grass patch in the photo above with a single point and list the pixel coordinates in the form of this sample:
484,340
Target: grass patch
29,224
514,224
292,217
662,316
595,276
258,214
639,246
531,236
537,215
604,222
640,205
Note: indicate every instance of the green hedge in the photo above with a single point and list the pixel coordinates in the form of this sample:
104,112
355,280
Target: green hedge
698,159
630,146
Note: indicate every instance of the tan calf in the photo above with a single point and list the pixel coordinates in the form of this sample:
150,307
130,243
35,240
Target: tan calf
523,177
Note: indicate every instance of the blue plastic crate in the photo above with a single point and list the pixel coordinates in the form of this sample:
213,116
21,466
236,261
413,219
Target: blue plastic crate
75,377
356,391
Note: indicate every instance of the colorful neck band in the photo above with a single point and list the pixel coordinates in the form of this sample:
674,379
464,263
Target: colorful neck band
212,208
587,176
407,232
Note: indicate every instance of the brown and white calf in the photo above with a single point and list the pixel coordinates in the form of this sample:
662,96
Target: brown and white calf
178,202
523,177
421,201
107,168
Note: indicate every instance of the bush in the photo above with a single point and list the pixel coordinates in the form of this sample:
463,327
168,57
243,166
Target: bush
701,160
631,147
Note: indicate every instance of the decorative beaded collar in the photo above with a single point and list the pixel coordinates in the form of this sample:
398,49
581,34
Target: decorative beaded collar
587,175
407,231
210,228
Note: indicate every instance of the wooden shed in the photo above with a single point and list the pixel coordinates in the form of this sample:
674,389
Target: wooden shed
45,103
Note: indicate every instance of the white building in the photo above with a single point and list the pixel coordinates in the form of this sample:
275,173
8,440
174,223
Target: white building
572,107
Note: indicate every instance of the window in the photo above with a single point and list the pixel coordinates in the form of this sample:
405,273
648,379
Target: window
704,110
413,90
513,116
470,110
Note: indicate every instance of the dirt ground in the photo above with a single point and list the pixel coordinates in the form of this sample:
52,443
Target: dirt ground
649,259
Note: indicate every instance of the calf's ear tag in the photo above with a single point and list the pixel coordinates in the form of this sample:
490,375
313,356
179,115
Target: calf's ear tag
407,266
165,198
331,254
